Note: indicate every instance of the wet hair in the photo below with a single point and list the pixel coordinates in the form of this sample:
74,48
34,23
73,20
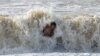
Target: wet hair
53,23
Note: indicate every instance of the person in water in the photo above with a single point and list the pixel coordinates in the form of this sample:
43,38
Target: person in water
49,29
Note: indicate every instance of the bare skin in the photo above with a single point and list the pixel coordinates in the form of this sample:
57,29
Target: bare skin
49,30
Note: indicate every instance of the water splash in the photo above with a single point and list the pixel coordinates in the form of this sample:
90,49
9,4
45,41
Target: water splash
23,33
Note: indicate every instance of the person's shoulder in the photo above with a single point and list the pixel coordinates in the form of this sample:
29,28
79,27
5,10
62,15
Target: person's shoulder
47,25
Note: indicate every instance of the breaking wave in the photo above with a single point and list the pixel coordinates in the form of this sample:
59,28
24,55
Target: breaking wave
20,34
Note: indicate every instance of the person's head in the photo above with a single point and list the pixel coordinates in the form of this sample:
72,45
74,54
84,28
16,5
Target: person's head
53,25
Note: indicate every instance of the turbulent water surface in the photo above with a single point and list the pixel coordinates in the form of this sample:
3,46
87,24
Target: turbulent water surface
21,23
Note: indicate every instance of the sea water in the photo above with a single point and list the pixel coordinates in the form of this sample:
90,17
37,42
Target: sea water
21,23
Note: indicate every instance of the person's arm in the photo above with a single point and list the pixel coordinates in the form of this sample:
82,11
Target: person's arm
45,27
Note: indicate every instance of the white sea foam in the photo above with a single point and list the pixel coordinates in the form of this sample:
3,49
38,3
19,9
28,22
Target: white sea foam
21,23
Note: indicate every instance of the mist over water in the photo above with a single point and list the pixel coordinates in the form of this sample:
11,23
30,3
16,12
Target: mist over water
21,23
